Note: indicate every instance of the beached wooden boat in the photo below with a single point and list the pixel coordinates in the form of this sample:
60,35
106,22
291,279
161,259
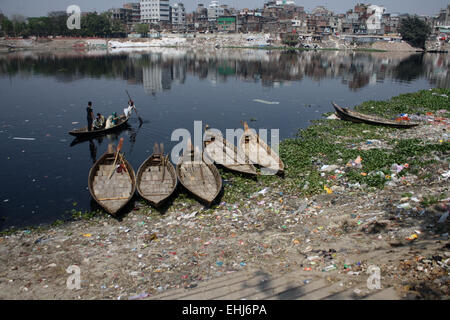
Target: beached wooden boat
200,178
259,152
225,153
353,116
156,179
84,133
112,192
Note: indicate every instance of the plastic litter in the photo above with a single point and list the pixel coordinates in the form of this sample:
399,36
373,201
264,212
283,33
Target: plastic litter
412,237
357,163
443,218
265,101
26,139
329,268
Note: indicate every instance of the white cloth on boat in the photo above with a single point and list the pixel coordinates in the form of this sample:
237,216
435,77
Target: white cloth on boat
108,122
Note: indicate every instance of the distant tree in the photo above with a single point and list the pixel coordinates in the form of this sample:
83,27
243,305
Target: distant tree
414,31
141,28
40,26
58,21
118,29
6,25
93,24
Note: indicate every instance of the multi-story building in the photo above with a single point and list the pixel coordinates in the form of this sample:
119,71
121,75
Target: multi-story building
178,14
374,21
284,2
319,21
443,18
441,23
214,10
155,11
135,8
121,14
227,23
391,23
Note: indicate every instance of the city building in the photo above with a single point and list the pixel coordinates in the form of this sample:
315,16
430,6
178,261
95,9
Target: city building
135,8
155,11
121,14
284,2
227,23
375,22
215,11
442,23
318,21
178,14
391,23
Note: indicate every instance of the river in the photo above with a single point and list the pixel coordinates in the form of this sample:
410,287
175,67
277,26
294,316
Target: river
45,94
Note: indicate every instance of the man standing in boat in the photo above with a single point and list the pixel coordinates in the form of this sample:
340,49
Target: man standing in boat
90,116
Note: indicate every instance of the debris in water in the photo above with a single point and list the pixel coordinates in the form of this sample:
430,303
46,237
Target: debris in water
266,102
27,139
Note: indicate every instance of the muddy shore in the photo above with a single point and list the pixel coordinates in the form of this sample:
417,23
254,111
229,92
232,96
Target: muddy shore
331,213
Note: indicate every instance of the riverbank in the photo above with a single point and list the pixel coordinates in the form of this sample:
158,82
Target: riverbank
353,195
196,41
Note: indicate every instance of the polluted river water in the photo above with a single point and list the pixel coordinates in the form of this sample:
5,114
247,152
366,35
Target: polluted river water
44,95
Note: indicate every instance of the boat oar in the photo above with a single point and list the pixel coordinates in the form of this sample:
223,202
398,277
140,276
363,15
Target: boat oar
200,165
119,147
135,110
163,162
125,167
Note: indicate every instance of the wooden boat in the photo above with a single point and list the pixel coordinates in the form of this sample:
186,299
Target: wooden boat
259,152
200,178
156,178
112,192
84,133
353,116
225,153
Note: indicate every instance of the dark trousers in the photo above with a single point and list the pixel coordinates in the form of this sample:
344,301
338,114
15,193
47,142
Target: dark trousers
89,120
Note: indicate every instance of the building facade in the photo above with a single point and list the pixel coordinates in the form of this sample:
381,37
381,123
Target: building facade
155,11
135,8
178,14
227,23
215,10
121,14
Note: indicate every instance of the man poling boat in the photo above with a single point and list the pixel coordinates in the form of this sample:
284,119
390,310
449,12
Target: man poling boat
133,107
127,111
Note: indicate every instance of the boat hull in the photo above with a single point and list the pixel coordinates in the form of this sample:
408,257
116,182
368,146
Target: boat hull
356,117
224,153
156,182
201,179
259,153
114,193
82,133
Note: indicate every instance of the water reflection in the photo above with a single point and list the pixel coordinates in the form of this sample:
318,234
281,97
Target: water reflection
158,69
